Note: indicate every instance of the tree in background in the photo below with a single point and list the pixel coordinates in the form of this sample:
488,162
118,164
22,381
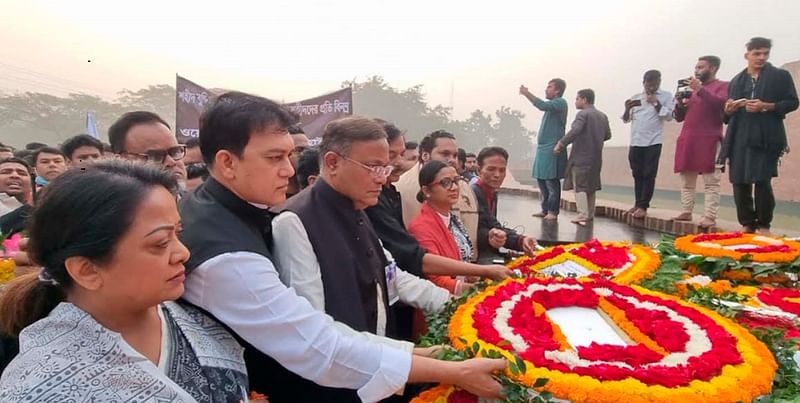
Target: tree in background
409,110
50,119
31,116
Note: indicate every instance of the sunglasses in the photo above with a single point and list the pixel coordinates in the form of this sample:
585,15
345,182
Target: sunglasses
447,183
159,156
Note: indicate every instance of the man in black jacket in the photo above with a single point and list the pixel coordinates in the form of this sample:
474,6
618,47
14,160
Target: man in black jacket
492,163
758,100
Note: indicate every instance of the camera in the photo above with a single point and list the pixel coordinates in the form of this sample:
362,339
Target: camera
684,91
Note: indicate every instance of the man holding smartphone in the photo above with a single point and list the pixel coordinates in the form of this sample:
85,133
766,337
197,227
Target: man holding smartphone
758,100
700,109
647,112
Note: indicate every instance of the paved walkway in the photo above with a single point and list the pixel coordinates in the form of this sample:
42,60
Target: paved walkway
610,223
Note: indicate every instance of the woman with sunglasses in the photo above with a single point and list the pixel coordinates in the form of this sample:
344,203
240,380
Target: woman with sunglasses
435,228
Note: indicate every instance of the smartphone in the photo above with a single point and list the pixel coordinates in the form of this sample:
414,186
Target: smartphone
636,102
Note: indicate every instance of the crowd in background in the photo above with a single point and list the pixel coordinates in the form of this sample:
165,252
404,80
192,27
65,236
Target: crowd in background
305,272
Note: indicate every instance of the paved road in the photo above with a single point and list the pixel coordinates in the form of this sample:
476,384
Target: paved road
515,212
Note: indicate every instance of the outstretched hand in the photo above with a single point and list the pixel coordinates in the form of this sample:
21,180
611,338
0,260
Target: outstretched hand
477,377
498,272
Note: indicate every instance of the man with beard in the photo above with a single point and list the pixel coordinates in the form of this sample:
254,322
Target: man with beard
588,133
758,100
701,112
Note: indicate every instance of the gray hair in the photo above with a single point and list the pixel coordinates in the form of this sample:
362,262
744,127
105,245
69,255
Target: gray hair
340,134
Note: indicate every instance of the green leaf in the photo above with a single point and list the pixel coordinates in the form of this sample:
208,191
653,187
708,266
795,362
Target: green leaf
540,382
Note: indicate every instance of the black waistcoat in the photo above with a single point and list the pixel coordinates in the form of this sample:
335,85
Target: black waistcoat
215,221
350,257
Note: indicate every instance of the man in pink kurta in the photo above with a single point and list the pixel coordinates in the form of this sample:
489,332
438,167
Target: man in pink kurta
701,112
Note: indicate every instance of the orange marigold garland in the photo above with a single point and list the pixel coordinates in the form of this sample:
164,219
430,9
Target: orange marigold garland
623,263
682,352
737,245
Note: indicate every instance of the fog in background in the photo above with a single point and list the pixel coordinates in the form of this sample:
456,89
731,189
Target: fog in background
467,55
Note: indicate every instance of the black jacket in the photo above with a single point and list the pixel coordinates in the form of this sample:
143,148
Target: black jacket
487,219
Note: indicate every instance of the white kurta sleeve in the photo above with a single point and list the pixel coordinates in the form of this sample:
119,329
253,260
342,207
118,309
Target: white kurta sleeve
242,289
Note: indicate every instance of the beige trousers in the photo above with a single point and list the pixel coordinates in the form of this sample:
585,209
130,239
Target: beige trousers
710,187
585,201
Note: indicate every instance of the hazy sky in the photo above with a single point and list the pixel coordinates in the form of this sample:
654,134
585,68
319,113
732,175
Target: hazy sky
474,54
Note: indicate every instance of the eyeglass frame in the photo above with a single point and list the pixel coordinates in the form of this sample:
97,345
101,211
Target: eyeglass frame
453,181
149,158
372,169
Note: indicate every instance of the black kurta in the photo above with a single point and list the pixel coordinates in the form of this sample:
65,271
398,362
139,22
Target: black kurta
755,141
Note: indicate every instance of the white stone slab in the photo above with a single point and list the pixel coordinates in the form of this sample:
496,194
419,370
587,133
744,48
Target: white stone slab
567,269
582,326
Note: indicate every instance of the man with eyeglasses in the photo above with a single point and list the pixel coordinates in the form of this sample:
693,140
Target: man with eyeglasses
387,220
328,250
145,136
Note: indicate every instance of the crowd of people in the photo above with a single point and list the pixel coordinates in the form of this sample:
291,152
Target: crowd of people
246,260
753,105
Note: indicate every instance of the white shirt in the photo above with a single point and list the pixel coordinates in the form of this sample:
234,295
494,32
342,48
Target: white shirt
647,124
299,268
8,204
242,289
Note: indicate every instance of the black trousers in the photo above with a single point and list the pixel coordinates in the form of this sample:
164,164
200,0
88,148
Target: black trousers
757,213
644,167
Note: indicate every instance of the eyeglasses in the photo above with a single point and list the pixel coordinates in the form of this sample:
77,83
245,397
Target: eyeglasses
377,171
158,156
447,183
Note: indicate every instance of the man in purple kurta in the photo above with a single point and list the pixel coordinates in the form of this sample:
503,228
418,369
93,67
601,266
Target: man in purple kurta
701,111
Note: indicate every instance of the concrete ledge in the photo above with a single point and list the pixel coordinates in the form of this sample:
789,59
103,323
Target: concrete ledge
657,219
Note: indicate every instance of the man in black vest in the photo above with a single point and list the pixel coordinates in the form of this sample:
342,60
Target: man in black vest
349,275
226,225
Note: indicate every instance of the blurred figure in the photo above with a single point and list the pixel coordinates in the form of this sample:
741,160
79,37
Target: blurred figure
301,144
410,155
82,148
700,108
758,100
6,151
193,155
49,163
196,174
647,111
588,133
307,168
470,168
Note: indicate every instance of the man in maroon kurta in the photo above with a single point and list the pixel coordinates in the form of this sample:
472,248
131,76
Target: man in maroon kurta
701,112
